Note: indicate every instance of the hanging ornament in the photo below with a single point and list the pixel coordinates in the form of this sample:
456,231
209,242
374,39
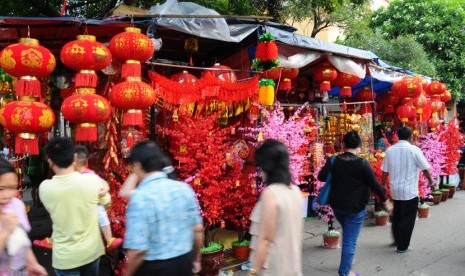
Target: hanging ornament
266,92
26,119
406,112
436,88
407,88
28,61
324,74
266,53
365,95
274,74
285,85
221,72
191,45
433,123
446,96
346,81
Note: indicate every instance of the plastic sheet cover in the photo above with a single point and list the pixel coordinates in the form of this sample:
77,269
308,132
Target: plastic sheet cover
212,28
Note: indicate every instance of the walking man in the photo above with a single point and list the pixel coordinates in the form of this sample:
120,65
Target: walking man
401,164
164,230
71,199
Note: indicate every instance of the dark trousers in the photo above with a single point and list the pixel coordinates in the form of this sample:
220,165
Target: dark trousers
403,221
90,269
178,266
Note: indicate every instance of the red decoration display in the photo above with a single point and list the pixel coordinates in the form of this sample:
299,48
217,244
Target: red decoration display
274,74
436,88
266,50
132,47
85,55
408,88
406,112
437,106
365,95
26,119
345,81
221,72
28,61
453,138
447,96
423,107
325,74
433,123
86,109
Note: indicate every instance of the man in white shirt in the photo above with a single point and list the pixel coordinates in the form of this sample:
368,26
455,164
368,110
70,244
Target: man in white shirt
401,164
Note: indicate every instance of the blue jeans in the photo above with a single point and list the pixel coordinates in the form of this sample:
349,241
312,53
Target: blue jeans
90,269
351,226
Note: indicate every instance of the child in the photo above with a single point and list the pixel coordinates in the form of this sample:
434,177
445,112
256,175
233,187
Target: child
16,257
81,166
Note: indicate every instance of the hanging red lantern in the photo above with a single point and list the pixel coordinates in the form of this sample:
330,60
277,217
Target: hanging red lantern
133,47
184,77
437,105
285,85
433,123
365,95
324,74
290,73
28,61
422,106
134,96
274,74
446,96
423,81
86,109
406,112
408,88
85,55
26,119
436,88
222,72
346,81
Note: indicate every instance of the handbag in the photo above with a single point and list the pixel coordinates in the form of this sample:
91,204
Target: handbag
323,195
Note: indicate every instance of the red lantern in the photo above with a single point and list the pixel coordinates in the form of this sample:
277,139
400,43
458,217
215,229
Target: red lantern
325,74
290,73
433,123
436,88
285,85
26,119
365,95
437,105
446,96
86,109
85,55
184,77
420,79
28,61
132,47
132,95
222,72
406,112
273,74
346,81
423,107
408,88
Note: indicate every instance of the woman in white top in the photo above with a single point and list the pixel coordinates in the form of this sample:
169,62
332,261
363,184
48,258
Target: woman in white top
276,219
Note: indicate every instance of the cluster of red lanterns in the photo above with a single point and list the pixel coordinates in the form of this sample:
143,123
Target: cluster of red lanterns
27,117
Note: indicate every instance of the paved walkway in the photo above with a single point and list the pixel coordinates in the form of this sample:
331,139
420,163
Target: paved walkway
438,242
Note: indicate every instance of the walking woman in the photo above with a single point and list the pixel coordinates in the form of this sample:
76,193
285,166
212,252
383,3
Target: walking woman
352,177
277,218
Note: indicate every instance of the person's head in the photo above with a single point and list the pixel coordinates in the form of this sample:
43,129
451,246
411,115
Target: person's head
60,153
82,156
352,140
146,157
272,158
8,182
404,133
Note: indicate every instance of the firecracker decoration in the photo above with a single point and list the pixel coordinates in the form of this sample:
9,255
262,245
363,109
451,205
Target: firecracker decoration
434,151
110,160
266,92
294,132
28,61
199,147
453,139
205,88
27,119
266,53
132,47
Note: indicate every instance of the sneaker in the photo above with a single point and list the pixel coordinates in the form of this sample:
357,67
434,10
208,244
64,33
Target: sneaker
404,251
45,243
114,243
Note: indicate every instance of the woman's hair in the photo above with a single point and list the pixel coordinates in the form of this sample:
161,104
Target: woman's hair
273,158
352,140
151,158
6,167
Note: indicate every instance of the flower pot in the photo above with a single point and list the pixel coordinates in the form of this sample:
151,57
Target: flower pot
331,239
437,196
423,211
451,190
445,194
211,263
241,252
381,218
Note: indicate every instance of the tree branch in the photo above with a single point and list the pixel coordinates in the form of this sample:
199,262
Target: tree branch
81,4
43,8
108,8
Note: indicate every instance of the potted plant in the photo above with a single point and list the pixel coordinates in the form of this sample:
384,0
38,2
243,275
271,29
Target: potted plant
381,218
437,196
445,194
241,249
423,210
212,258
330,237
451,188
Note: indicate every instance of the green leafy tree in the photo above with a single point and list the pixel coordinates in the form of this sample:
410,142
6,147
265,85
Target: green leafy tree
438,26
402,51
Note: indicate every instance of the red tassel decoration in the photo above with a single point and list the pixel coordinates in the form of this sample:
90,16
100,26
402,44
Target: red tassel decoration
28,86
325,86
86,132
133,117
131,68
26,143
130,140
86,78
